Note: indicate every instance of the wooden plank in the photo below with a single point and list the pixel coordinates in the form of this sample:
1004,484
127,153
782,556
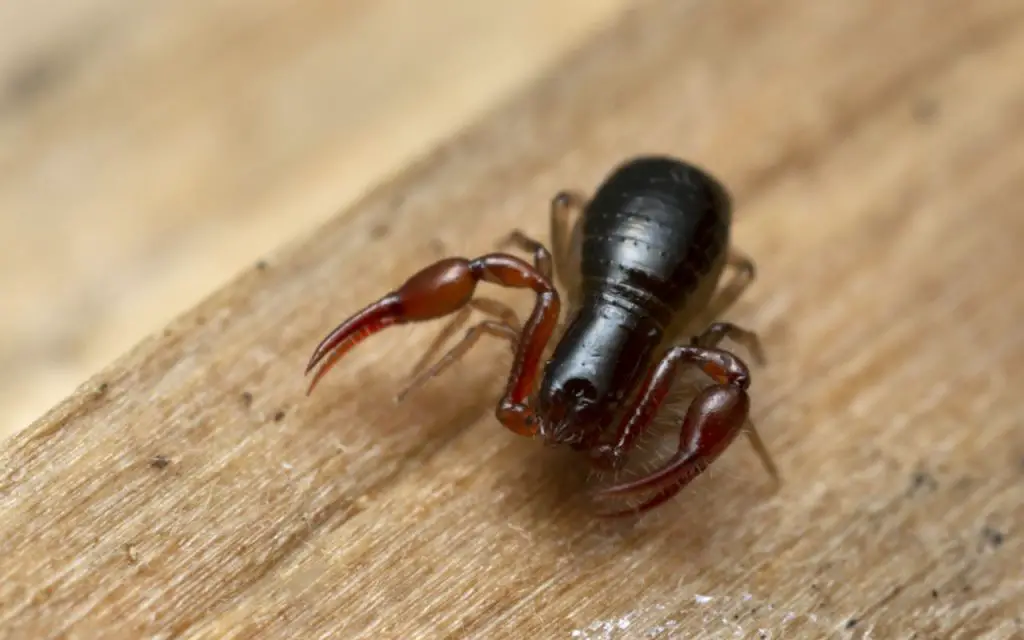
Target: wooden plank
151,151
192,490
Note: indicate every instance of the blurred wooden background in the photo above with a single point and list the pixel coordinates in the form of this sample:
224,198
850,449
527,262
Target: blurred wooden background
190,489
151,150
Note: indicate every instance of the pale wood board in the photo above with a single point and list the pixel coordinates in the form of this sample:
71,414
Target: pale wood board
149,152
874,148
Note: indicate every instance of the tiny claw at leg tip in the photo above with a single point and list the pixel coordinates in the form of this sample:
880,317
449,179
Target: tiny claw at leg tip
312,363
313,383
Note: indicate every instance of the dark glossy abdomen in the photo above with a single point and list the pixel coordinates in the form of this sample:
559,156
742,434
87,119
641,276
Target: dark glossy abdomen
655,236
652,235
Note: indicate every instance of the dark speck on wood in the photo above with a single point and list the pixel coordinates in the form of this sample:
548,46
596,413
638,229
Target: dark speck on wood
922,480
993,537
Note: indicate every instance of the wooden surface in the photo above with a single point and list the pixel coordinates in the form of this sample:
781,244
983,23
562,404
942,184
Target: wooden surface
192,490
151,151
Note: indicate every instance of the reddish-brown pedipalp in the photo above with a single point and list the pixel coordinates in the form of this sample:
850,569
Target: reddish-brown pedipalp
443,288
641,265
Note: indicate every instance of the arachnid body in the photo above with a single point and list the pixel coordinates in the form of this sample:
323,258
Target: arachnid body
640,265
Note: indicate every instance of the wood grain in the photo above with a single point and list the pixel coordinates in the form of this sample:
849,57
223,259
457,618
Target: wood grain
191,490
149,152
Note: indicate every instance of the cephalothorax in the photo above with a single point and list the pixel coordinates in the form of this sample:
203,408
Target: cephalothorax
640,267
